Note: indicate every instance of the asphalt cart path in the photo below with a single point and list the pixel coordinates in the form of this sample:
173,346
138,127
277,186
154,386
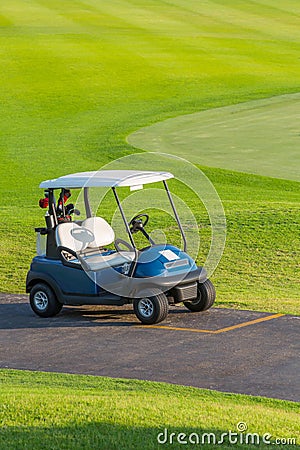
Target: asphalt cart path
227,350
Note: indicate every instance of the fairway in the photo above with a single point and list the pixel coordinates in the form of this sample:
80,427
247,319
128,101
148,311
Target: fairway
260,137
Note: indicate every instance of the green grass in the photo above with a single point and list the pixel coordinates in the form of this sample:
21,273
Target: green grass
79,76
258,137
259,266
51,411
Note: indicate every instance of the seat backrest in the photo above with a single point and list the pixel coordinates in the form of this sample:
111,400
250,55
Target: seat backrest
65,238
103,232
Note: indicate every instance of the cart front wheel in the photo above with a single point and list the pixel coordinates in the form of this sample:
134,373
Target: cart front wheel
150,310
43,301
206,295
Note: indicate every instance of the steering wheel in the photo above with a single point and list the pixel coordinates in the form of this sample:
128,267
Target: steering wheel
136,224
118,242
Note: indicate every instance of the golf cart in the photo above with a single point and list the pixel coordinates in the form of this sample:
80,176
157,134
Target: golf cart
77,267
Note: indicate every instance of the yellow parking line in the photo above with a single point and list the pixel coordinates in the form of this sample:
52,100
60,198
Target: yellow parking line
251,322
165,327
221,330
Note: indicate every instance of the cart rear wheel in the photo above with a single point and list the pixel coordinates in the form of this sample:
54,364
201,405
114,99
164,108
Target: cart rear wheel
206,295
43,301
150,310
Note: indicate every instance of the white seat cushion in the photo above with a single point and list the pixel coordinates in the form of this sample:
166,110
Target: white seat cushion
64,237
81,238
103,232
98,262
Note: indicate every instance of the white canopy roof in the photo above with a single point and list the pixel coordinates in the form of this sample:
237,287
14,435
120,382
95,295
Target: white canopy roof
108,178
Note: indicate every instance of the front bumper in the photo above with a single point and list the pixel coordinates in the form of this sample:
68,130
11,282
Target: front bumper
167,284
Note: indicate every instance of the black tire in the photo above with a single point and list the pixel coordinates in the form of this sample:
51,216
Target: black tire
43,301
205,298
150,310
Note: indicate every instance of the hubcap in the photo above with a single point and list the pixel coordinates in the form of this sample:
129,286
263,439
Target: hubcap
40,300
146,307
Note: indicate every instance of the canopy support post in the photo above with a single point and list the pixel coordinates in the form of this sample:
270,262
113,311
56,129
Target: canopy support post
176,215
87,205
134,263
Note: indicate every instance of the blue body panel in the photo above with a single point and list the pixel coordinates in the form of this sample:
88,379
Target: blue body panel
158,261
70,280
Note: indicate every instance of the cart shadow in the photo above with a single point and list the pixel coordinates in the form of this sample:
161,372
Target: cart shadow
14,316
